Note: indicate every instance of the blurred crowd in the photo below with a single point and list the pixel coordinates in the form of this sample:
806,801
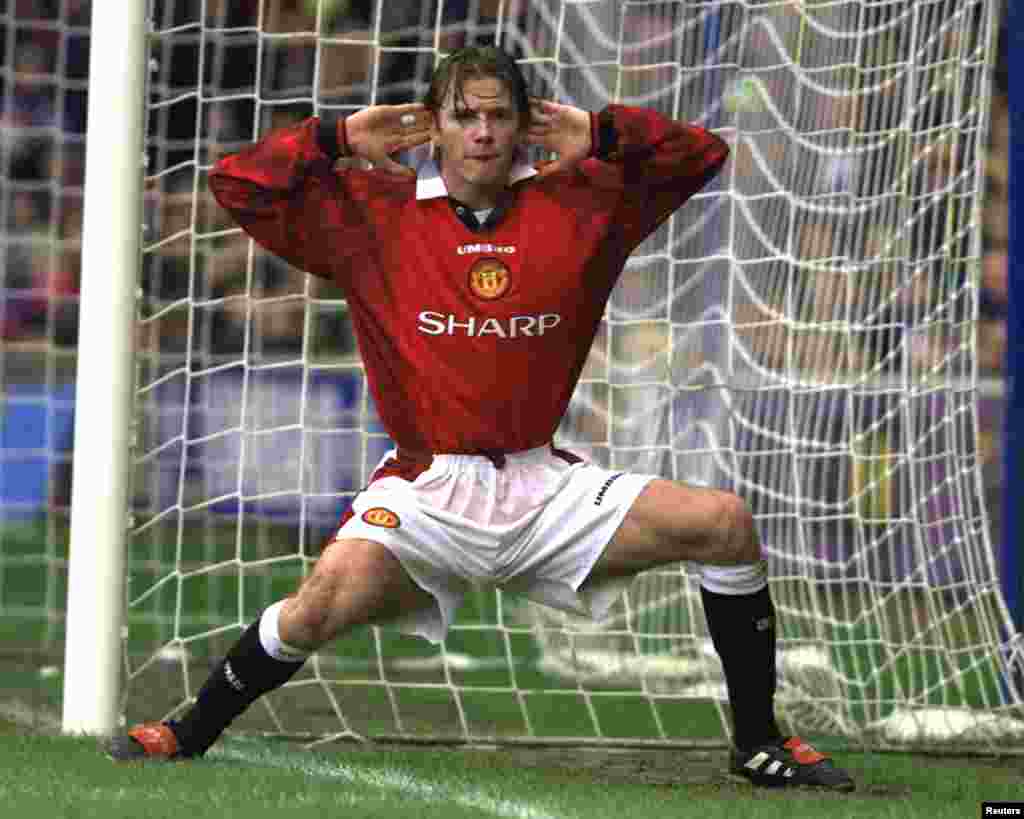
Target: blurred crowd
263,61
44,49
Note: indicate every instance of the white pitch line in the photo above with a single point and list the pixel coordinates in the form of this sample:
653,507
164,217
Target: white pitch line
391,779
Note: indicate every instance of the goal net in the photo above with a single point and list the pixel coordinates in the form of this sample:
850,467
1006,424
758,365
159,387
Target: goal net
800,333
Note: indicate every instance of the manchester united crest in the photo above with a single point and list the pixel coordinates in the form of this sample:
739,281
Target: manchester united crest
489,278
379,516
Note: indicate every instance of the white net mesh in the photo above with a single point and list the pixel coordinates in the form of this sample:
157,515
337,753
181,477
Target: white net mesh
801,333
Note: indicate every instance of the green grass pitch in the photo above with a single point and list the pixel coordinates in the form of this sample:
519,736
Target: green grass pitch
251,778
247,775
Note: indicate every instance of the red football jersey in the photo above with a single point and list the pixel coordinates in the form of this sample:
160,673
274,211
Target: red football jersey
473,340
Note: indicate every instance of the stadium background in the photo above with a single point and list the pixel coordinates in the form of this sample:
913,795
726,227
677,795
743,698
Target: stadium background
44,54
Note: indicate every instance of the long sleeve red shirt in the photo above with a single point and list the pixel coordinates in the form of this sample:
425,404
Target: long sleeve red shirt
473,340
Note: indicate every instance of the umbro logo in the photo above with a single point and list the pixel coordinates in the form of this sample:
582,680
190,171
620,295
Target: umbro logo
484,247
605,487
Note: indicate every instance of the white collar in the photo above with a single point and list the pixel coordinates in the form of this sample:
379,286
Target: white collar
430,184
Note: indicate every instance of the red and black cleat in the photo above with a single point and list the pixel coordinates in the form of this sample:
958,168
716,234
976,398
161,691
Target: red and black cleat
791,763
150,740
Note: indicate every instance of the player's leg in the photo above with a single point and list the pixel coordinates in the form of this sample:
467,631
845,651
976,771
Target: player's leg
354,582
670,522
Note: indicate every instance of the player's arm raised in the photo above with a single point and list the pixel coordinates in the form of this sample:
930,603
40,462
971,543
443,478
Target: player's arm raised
663,162
658,150
276,188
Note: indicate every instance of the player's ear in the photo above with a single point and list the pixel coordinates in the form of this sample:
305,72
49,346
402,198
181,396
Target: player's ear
435,139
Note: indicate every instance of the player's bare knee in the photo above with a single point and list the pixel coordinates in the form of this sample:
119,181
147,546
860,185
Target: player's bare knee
310,616
739,533
350,586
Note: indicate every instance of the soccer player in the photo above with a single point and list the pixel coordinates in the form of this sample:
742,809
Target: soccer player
476,287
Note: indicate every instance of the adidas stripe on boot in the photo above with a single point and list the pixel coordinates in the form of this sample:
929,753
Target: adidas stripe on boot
790,763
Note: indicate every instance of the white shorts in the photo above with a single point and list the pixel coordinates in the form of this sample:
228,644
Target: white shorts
537,525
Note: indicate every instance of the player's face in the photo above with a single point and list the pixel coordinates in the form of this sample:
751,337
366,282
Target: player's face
477,132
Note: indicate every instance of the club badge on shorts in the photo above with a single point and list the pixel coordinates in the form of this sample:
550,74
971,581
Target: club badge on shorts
489,278
379,516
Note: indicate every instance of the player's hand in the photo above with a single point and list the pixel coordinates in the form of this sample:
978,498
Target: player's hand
561,129
377,132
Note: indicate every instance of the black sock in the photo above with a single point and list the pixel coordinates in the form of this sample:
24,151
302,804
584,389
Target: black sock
743,632
244,675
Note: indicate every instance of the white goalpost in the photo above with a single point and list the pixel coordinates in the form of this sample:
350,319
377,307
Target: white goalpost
801,332
105,384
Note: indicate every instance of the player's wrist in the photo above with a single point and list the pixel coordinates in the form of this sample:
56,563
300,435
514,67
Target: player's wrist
344,149
332,137
604,139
